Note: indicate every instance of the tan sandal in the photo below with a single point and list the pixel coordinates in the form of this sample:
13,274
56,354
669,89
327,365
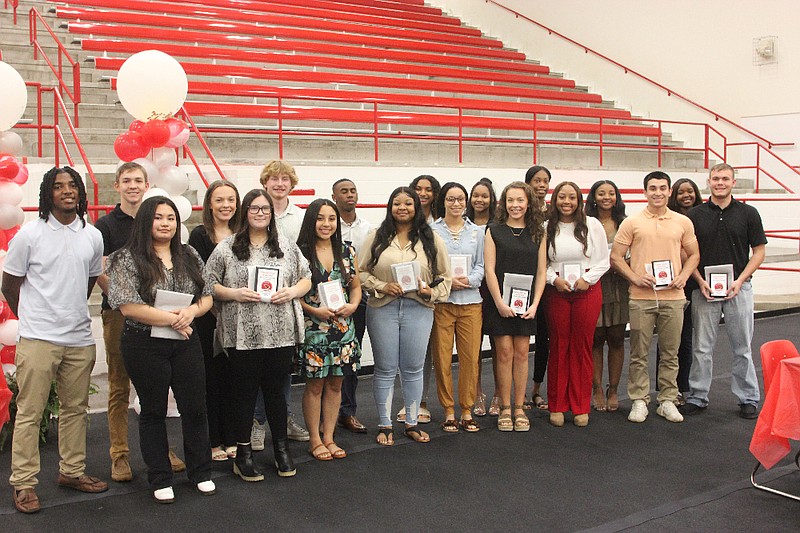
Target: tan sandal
521,421
504,421
385,436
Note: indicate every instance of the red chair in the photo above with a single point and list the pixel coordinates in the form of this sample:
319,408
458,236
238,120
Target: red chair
772,353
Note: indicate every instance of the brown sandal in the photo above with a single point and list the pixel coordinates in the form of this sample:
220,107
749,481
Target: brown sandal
415,434
450,425
387,434
324,455
469,425
336,451
504,422
521,422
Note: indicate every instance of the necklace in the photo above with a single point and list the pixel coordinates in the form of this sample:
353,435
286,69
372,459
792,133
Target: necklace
516,231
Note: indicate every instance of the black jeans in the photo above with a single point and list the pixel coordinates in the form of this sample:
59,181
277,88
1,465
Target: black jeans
154,365
264,370
350,381
219,404
542,340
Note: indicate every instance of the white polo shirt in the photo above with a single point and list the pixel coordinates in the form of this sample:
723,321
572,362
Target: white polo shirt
56,262
289,222
355,233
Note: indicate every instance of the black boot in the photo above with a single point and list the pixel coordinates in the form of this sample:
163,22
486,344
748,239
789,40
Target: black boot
283,459
243,465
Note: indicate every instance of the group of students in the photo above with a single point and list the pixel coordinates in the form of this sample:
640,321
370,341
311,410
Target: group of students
443,260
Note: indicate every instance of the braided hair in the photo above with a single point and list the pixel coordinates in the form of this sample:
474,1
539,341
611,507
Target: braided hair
46,192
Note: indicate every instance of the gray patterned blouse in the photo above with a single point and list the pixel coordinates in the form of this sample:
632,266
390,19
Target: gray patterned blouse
257,325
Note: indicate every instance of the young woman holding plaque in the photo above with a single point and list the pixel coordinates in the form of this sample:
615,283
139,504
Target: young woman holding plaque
154,259
460,315
330,339
514,244
578,256
400,311
260,329
604,203
220,220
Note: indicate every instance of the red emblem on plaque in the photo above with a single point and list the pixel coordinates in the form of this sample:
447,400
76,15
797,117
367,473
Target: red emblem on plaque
517,303
406,280
266,286
662,274
718,287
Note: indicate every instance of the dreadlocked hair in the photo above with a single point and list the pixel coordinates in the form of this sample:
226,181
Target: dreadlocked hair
46,192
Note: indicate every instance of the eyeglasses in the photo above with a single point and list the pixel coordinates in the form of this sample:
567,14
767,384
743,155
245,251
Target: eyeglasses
254,209
455,199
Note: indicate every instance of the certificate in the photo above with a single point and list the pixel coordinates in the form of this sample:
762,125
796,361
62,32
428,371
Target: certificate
662,271
406,275
719,279
571,272
169,301
459,265
519,300
266,281
331,295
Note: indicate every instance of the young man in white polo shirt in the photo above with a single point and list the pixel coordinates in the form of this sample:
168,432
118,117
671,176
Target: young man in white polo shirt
49,272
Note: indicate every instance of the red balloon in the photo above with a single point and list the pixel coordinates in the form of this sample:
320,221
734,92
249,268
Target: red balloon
156,133
22,175
136,125
10,233
176,125
9,166
8,354
130,145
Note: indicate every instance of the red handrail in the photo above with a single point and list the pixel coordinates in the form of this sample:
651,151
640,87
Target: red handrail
14,5
188,151
75,93
759,169
627,70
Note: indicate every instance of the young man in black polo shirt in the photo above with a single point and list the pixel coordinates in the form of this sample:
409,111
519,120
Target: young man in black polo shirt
727,230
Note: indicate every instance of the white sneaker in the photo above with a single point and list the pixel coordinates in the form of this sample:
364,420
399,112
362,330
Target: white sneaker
206,488
257,436
164,495
669,411
295,432
638,411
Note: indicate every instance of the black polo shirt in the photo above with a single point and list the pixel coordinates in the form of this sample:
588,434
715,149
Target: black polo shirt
115,227
725,236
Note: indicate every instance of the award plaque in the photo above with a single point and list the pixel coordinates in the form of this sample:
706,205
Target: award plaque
266,281
519,300
406,275
571,272
331,295
459,265
662,271
719,278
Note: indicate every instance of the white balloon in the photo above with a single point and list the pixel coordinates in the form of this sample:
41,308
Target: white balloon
184,234
15,96
179,139
8,332
10,143
10,193
153,174
165,157
10,216
151,83
174,180
155,191
184,206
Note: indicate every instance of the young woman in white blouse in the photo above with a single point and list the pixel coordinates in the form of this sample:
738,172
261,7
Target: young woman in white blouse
577,257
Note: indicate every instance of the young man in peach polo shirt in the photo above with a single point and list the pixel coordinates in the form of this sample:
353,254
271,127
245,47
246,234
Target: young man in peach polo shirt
663,247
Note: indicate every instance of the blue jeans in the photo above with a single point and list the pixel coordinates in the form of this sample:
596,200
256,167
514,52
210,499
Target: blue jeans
739,326
400,331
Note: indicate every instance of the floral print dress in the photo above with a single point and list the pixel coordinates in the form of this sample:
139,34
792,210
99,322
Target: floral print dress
330,345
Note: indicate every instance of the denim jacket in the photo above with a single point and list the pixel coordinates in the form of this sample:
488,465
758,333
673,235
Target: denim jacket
469,243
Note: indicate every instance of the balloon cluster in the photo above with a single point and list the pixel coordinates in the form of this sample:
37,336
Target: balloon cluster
152,86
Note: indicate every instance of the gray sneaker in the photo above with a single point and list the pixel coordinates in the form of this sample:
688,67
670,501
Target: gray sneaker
295,432
257,436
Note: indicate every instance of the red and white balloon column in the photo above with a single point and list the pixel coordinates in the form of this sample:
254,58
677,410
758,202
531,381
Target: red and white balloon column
13,174
152,87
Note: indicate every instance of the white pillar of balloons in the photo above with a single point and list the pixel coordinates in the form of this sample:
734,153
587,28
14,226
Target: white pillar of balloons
13,174
152,87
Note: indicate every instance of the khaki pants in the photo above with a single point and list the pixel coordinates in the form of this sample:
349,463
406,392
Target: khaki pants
464,322
119,384
667,316
38,363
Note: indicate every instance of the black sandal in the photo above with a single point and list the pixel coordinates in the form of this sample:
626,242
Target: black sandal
413,433
388,433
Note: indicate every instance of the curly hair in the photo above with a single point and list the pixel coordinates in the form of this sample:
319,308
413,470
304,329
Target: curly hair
534,218
435,186
307,241
485,182
581,229
420,231
241,241
46,192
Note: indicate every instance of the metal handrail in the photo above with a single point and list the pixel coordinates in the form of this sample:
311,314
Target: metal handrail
627,70
75,93
14,4
188,151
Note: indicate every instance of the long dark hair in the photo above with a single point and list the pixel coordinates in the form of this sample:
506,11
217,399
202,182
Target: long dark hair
534,218
673,204
486,182
435,186
148,265
445,188
208,216
241,241
531,172
46,192
617,212
581,229
307,241
420,231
